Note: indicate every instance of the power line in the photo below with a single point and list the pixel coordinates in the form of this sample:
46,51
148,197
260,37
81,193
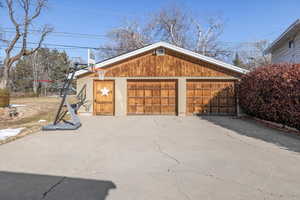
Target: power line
66,34
57,48
66,46
63,46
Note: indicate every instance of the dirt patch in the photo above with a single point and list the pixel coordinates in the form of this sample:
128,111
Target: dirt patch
28,108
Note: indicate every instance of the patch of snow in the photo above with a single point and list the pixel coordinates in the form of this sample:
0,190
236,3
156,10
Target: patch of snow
6,133
17,105
42,120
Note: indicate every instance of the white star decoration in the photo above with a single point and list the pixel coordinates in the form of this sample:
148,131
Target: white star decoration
104,91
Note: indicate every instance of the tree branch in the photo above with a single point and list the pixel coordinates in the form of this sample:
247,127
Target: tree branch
45,32
27,20
17,27
40,5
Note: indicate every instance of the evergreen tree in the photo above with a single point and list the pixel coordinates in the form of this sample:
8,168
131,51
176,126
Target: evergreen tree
41,72
237,61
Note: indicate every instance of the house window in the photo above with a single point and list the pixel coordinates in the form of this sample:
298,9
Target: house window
291,44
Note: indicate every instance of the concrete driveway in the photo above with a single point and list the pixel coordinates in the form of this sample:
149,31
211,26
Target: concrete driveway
147,158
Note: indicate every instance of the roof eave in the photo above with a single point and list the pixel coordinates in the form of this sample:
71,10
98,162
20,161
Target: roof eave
174,48
281,37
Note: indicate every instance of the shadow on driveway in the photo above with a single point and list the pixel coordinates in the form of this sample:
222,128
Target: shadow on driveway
17,186
256,130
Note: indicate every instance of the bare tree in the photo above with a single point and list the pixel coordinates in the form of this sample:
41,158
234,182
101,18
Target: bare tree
206,39
253,54
126,38
30,10
172,24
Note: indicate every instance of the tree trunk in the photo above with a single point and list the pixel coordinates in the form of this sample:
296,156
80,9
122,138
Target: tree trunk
4,82
35,87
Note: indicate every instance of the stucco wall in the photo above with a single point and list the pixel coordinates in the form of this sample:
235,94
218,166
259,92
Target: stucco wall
88,106
120,97
181,96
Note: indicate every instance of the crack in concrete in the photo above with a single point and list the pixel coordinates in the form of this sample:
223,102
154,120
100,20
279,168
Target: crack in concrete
208,174
178,181
166,154
53,187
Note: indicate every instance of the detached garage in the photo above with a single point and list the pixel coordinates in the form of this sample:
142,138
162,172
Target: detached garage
161,79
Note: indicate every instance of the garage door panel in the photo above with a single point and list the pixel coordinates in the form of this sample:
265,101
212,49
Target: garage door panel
131,93
139,93
156,109
172,101
224,110
205,92
224,101
140,109
231,101
198,101
148,109
148,101
164,93
214,110
131,109
214,102
156,100
211,97
148,93
156,93
165,101
131,101
153,96
205,100
171,110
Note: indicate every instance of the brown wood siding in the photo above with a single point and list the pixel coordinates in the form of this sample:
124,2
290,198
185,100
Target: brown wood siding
152,97
211,97
104,105
172,64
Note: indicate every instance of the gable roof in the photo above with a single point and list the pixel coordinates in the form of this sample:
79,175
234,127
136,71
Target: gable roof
291,31
167,46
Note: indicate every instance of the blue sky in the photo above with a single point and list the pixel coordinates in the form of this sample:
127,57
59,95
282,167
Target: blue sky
245,21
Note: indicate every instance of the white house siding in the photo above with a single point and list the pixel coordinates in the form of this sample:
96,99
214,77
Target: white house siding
284,54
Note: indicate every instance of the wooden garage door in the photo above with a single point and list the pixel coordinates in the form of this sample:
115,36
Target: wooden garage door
211,97
104,97
152,97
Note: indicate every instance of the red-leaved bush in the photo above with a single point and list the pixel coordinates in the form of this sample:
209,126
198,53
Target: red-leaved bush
272,93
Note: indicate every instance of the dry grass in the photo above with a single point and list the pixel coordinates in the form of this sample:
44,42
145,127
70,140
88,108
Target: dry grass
41,108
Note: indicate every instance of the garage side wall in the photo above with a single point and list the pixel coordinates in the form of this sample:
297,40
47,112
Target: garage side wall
80,83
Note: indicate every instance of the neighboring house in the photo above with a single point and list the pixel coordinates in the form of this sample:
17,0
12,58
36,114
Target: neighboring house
161,79
286,48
